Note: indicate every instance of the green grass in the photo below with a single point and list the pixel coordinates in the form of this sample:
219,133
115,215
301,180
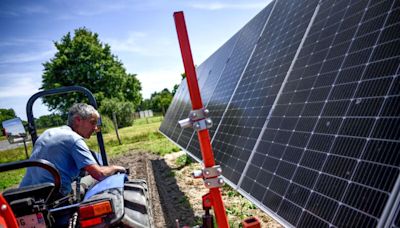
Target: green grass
11,178
142,136
183,160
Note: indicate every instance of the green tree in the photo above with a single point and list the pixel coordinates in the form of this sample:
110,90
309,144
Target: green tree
174,89
145,105
161,100
176,86
5,114
83,60
51,120
123,111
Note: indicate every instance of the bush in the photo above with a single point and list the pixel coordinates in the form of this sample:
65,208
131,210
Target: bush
106,124
123,111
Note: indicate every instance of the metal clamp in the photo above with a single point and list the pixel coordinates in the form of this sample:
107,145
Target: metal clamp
216,182
197,119
198,114
202,124
208,172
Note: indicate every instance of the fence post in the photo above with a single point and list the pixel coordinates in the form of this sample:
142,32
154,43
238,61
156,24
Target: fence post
116,127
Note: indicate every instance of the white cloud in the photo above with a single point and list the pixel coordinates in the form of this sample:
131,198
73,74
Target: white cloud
35,9
98,9
129,44
16,41
156,80
26,57
19,84
9,13
141,43
24,10
224,6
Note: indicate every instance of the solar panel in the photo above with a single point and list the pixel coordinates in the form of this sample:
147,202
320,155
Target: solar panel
232,70
318,117
170,123
307,115
396,221
243,120
215,64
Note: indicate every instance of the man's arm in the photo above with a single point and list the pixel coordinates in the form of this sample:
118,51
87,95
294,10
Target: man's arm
101,172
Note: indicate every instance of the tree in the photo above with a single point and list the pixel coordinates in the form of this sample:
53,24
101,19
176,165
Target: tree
145,105
161,100
83,60
176,86
51,120
174,89
6,114
123,111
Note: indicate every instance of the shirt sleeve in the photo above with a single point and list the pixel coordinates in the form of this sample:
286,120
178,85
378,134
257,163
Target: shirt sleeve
82,155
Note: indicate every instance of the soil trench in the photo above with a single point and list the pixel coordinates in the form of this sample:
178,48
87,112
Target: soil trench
176,196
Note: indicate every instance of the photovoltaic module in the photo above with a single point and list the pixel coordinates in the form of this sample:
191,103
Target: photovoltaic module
305,101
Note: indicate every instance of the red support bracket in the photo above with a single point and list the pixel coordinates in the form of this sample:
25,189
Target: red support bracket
207,201
203,134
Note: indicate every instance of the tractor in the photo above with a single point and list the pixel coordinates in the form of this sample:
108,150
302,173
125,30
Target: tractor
112,202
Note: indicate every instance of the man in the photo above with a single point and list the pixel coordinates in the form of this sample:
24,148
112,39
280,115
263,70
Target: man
66,149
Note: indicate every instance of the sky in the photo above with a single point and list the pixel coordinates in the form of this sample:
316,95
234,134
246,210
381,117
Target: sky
141,34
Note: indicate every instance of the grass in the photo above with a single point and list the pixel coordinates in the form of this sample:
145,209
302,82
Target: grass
183,160
142,136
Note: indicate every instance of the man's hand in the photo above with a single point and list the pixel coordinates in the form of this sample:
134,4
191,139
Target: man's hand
119,169
101,172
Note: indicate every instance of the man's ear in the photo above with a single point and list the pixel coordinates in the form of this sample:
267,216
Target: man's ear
77,120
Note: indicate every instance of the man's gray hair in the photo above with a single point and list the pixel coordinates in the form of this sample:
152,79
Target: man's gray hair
82,110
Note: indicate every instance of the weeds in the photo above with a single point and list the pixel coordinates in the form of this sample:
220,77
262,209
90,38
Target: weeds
183,160
184,201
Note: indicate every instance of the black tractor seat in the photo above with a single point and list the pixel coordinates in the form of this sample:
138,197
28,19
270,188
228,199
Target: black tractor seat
37,192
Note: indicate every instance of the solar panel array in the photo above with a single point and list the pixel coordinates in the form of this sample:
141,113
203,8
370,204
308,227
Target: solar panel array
305,101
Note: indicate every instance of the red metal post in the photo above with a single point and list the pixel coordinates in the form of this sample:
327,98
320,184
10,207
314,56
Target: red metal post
203,135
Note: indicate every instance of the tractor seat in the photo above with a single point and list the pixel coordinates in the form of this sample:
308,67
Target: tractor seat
37,192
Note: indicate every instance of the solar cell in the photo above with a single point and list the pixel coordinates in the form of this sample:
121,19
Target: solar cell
307,115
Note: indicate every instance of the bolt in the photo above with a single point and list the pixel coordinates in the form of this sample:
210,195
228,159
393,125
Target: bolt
209,122
206,111
3,207
221,181
207,172
197,174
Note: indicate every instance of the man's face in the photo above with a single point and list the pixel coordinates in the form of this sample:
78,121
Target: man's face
86,127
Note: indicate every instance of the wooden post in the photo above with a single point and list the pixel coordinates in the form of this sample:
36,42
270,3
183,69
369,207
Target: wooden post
116,127
26,148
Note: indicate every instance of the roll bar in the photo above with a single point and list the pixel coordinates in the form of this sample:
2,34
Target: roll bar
61,90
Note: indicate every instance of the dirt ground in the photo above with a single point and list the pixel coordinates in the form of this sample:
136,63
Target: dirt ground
176,196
